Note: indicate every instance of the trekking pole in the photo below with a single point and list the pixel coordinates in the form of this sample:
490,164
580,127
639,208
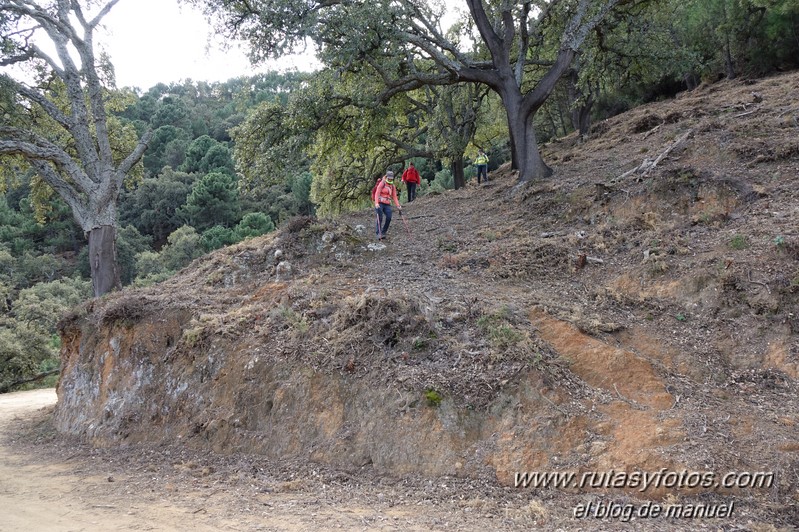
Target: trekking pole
379,231
402,217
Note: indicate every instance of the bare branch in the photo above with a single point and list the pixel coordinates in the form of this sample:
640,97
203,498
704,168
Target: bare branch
103,12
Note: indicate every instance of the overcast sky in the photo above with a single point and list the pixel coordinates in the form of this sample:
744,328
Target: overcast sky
154,41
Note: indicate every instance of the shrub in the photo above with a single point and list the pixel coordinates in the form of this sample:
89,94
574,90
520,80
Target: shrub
253,224
182,248
217,237
43,304
739,242
433,397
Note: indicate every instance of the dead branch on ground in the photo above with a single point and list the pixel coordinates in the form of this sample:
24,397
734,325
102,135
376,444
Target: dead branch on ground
648,165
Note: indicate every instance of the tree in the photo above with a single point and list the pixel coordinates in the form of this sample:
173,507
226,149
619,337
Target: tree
66,135
214,200
740,36
524,47
165,140
454,112
253,224
28,340
152,207
339,120
205,155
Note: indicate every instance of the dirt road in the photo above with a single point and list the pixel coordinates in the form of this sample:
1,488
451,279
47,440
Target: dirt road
40,494
51,483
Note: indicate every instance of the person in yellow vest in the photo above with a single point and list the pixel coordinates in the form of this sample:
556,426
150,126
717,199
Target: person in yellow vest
384,193
482,166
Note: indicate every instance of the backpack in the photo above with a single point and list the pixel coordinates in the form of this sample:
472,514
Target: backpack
374,189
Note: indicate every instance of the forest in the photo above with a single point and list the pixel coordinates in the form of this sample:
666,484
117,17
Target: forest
218,163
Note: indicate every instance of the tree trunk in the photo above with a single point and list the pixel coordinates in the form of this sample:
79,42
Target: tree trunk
457,173
581,117
690,80
524,146
103,259
729,64
520,110
580,104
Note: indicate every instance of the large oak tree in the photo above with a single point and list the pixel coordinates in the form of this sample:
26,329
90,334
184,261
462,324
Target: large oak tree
519,48
61,123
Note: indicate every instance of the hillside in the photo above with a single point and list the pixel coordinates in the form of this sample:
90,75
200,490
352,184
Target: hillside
637,311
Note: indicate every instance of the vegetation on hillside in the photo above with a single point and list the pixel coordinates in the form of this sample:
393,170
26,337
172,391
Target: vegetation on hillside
232,160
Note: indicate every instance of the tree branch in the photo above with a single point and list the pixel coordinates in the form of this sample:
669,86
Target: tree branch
136,154
75,201
39,99
15,141
9,386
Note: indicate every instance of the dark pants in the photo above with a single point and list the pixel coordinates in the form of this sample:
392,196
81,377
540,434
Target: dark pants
384,209
482,170
411,191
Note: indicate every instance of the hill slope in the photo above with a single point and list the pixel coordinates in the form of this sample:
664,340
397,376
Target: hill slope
636,312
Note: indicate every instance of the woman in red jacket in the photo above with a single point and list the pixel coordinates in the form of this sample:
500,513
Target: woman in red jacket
384,193
412,178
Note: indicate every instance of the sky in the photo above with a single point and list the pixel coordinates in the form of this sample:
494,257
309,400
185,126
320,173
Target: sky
159,41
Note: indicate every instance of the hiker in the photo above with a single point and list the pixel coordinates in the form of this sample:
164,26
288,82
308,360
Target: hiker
412,178
385,191
482,165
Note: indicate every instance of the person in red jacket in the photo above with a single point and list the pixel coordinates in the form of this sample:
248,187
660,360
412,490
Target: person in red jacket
411,178
384,193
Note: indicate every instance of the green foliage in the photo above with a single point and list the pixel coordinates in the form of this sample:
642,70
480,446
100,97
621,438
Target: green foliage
269,145
196,154
21,231
167,140
290,319
149,263
29,269
739,242
497,327
735,37
443,181
214,200
23,349
253,224
129,244
43,304
152,207
182,248
217,237
433,398
217,159
282,201
173,112
300,185
28,340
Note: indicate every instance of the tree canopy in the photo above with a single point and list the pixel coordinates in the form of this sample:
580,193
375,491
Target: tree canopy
67,136
517,49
